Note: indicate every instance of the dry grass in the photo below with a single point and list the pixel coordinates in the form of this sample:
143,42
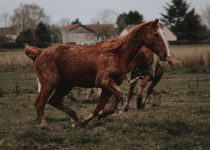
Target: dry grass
192,55
13,60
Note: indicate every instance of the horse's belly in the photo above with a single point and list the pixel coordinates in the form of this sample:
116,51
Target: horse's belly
78,77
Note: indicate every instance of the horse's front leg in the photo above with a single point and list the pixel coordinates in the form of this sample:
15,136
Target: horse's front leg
130,95
139,103
114,88
156,79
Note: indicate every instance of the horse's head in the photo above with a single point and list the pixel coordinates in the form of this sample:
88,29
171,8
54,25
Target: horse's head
155,40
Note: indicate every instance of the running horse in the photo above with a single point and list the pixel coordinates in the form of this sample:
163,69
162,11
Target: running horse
147,67
103,65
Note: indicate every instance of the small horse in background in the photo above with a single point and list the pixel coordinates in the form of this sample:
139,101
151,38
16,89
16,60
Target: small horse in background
103,65
147,67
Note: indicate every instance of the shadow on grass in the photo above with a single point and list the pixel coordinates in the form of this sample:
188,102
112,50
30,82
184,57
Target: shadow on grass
64,119
202,111
41,137
87,101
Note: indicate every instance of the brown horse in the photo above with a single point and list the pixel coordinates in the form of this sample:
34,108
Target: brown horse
147,67
103,65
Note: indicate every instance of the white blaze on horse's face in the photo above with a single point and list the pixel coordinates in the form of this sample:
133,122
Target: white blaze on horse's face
160,31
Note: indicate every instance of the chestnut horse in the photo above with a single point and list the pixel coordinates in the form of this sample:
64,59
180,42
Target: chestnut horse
103,65
147,67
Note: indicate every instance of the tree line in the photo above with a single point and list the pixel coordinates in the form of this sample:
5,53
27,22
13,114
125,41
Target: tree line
33,26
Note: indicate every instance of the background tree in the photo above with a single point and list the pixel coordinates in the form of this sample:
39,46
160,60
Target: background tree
42,35
5,19
4,39
174,16
25,37
124,19
76,21
105,16
55,34
206,16
28,16
134,17
183,22
193,29
64,22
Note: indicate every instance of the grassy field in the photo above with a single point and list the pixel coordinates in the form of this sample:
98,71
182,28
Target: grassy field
181,122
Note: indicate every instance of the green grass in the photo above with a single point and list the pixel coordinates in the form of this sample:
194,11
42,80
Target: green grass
181,122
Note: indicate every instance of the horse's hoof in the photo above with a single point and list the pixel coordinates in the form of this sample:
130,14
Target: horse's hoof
74,124
120,112
100,114
125,109
43,125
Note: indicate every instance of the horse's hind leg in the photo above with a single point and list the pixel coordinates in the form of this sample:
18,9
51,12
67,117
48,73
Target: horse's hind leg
40,103
139,103
158,76
56,101
113,88
150,89
49,79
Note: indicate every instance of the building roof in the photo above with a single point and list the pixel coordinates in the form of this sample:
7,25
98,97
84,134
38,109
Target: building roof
93,27
71,27
8,31
98,27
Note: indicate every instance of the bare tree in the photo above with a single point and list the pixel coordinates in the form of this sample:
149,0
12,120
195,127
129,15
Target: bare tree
206,16
64,21
5,19
28,16
105,16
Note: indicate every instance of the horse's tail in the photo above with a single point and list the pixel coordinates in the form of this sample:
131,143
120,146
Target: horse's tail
32,52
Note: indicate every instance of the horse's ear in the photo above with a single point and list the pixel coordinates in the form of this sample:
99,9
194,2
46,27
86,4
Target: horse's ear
155,22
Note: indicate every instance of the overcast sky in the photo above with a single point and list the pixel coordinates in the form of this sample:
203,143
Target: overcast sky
85,10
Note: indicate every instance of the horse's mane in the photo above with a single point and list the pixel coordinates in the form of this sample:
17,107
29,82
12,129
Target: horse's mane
109,45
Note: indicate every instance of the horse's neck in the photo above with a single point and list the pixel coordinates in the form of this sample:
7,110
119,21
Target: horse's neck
128,53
